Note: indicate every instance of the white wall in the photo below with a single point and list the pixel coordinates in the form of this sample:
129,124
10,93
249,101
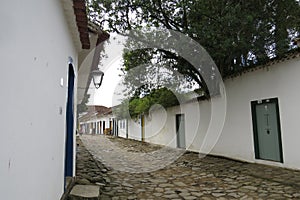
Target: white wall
34,50
236,138
122,125
160,127
281,81
134,129
101,119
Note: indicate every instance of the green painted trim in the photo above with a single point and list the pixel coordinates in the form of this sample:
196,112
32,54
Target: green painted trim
254,126
279,130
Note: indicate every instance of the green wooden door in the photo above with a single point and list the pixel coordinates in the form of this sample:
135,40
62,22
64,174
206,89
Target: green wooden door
142,128
267,135
180,131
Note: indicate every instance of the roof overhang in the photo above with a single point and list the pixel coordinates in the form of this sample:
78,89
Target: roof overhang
88,40
89,61
75,11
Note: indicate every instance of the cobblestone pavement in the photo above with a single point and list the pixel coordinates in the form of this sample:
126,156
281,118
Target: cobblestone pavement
121,168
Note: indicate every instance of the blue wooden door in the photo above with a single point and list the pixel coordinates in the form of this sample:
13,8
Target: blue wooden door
70,125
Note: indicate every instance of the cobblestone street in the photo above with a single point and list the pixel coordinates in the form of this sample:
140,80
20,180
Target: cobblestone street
127,169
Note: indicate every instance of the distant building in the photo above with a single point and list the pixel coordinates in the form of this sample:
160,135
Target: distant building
90,122
98,120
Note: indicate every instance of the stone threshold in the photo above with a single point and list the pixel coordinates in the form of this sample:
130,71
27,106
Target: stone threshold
70,182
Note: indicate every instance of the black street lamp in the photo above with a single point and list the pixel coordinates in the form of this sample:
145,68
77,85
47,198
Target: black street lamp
97,76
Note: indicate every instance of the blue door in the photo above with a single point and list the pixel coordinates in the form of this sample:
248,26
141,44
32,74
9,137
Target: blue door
70,124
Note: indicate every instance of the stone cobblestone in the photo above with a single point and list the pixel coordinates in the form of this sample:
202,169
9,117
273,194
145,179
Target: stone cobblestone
121,168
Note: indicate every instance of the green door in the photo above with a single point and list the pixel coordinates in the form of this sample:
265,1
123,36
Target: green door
180,131
266,126
142,128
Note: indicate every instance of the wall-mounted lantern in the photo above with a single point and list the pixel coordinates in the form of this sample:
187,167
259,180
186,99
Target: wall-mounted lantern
97,76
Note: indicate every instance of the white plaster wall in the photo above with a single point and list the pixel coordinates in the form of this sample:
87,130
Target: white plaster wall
134,129
160,127
122,129
281,81
34,50
106,120
196,118
236,138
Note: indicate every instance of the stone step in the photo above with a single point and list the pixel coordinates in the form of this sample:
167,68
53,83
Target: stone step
84,192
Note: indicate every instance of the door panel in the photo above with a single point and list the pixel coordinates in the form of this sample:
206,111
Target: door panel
69,154
143,128
266,126
180,131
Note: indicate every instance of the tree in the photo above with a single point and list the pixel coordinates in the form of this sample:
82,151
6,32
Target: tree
237,34
137,105
285,17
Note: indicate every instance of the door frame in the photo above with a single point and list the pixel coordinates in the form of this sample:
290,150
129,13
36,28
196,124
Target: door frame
255,131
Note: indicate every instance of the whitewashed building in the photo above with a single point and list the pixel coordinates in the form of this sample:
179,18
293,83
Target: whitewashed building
43,46
123,128
260,123
98,120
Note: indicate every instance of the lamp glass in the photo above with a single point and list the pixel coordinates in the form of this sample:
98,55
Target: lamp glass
97,78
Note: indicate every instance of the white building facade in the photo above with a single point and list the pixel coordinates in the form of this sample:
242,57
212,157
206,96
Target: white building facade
41,52
99,122
123,128
260,125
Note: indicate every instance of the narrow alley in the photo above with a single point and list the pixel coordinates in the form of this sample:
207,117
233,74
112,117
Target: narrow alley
128,169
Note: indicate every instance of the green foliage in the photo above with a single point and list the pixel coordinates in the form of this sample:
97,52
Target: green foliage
141,105
237,34
230,30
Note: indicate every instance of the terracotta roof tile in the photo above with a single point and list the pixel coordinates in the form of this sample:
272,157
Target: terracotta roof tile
82,22
102,37
93,112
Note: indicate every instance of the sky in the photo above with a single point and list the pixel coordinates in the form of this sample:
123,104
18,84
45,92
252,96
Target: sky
111,84
111,67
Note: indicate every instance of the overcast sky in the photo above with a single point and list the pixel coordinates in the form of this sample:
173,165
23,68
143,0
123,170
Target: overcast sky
110,66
